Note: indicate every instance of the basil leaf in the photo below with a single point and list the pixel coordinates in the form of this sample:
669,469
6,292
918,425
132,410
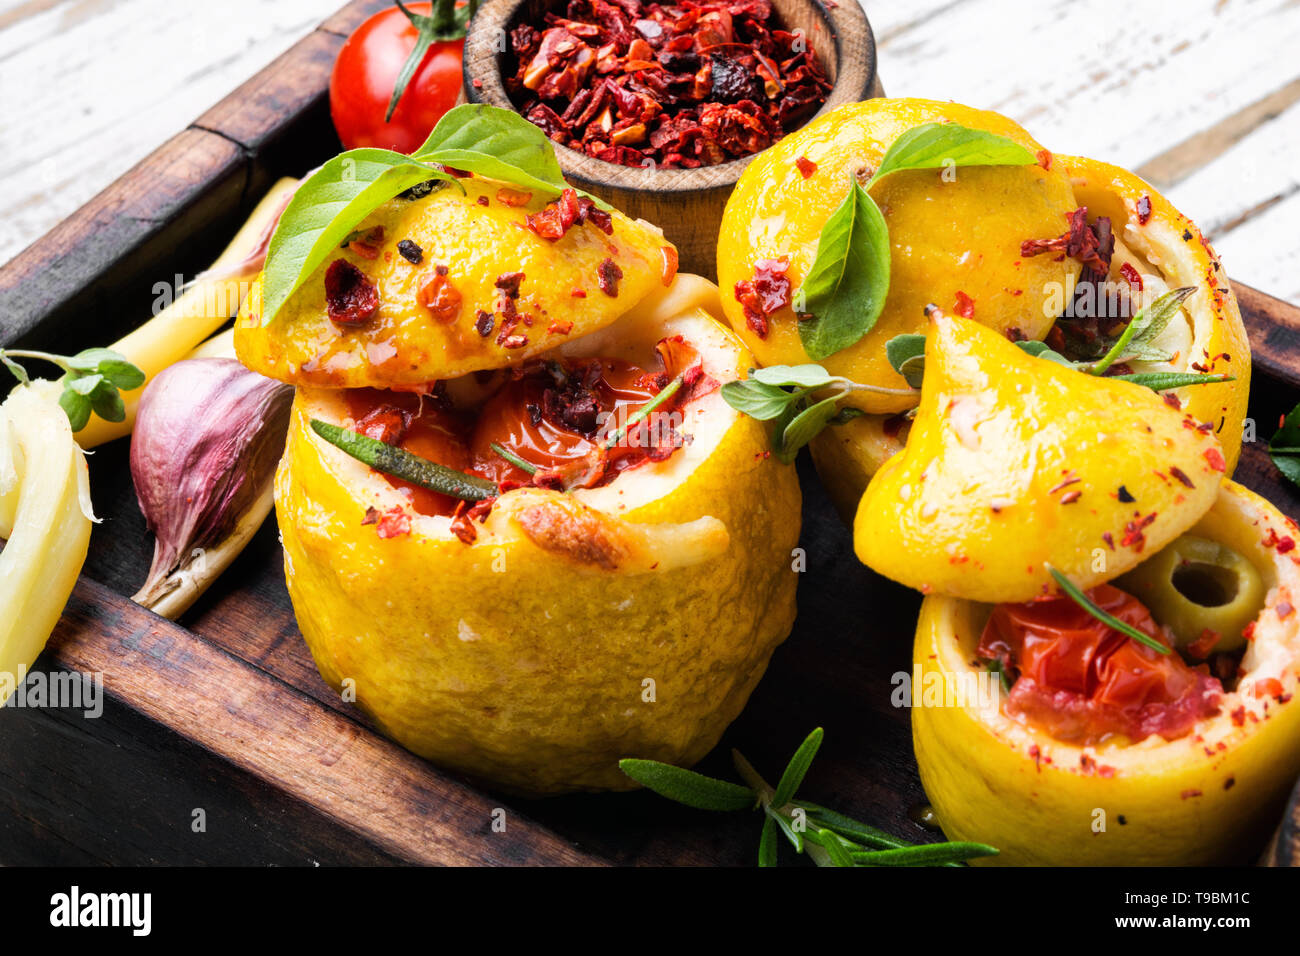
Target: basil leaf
803,428
797,769
757,400
688,787
800,376
845,289
935,145
496,143
1284,446
326,208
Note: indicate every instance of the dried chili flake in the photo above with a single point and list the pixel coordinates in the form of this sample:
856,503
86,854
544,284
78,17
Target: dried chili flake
350,297
389,523
1144,210
639,83
513,197
1131,276
805,166
607,275
1214,458
964,306
1181,476
764,295
483,323
1044,158
668,258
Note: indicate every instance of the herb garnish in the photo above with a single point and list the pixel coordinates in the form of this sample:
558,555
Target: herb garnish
798,419
400,463
92,380
1284,446
830,838
844,291
514,459
1110,620
1135,341
496,143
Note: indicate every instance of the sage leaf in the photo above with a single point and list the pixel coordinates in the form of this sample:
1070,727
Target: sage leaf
688,787
934,145
797,768
1158,315
326,208
845,289
1041,350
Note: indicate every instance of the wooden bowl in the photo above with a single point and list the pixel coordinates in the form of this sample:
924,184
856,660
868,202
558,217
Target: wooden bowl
686,203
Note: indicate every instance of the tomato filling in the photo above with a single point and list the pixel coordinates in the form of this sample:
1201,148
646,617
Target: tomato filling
570,420
1084,682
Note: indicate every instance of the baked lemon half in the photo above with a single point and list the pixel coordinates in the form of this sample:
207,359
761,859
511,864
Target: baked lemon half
1156,249
568,629
1210,795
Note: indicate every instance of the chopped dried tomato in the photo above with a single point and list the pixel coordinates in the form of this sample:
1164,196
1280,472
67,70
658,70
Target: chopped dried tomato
440,297
350,297
554,219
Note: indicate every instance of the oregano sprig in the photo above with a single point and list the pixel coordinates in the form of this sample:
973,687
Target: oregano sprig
92,381
829,838
784,395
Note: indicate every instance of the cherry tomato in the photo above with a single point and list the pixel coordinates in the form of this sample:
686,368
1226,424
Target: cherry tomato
365,74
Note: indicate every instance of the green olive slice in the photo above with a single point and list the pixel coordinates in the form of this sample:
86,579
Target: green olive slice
1193,584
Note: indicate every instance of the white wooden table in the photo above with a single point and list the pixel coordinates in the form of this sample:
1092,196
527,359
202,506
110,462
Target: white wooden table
1201,97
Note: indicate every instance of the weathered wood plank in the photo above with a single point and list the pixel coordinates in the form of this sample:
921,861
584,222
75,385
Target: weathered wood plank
330,763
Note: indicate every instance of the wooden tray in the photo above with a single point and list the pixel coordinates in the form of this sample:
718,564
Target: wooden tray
224,711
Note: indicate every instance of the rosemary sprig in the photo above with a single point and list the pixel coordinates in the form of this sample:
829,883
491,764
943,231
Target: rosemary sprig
1110,620
400,463
642,413
829,838
92,380
514,459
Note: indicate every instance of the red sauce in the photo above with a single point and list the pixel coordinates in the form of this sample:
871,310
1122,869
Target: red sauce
1083,682
554,415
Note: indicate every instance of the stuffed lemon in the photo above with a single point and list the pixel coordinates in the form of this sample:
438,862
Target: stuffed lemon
619,590
1104,751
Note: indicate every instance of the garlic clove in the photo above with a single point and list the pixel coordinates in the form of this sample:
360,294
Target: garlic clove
207,439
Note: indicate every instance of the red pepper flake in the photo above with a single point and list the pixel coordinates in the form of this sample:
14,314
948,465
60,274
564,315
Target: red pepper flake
1172,401
1181,476
559,215
350,297
806,166
1189,793
1144,210
579,293
1248,632
559,328
512,197
965,305
1228,784
1131,276
1070,497
1284,609
1044,158
1133,533
483,201
1082,242
440,297
389,523
1285,543
1214,458
607,275
668,258
483,323
366,244
512,341
1109,539
1036,755
767,293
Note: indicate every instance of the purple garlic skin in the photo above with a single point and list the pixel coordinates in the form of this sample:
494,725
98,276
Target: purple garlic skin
208,436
